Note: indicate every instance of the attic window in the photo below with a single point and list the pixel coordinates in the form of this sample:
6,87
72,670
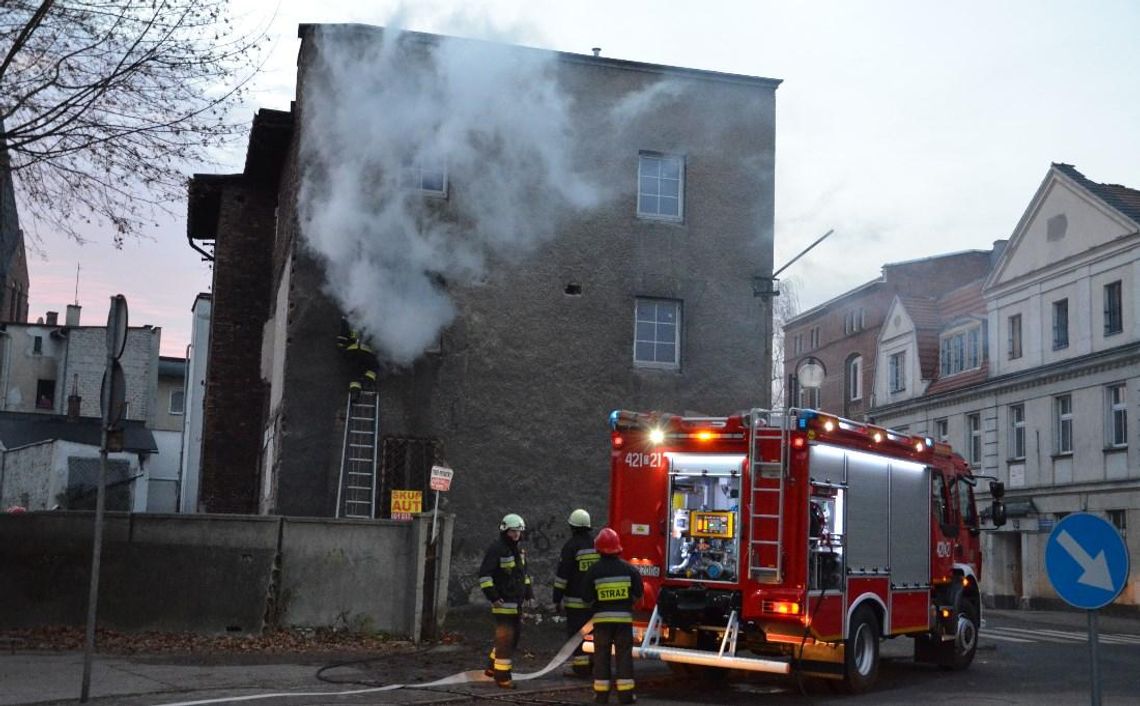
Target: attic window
1056,227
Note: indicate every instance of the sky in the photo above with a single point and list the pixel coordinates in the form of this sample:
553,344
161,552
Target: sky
910,128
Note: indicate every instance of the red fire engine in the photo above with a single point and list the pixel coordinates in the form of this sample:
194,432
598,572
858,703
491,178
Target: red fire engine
794,540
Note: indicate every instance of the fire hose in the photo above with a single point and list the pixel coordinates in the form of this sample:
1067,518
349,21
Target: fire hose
473,676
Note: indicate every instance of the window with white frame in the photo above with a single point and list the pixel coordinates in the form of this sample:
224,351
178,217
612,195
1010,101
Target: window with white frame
896,371
660,186
1014,350
855,378
1060,324
1063,424
177,401
960,350
424,174
974,438
657,333
1113,308
813,338
1116,424
942,430
1017,431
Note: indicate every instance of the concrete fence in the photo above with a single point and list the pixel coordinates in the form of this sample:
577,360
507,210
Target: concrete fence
226,573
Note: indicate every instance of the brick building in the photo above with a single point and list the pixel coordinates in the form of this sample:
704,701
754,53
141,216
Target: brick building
839,337
13,255
641,298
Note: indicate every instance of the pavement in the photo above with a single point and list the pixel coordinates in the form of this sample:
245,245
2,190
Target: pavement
42,677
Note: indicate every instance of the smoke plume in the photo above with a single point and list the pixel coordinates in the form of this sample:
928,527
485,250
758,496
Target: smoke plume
385,115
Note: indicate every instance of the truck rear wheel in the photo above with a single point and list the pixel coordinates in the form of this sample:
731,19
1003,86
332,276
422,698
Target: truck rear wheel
861,652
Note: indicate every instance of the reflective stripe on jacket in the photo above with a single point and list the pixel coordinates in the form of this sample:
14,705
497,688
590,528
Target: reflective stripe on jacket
612,586
578,555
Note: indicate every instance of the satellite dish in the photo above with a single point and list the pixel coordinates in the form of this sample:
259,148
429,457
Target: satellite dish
810,373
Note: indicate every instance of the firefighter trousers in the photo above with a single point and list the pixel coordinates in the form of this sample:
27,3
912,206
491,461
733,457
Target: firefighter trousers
508,629
575,619
619,638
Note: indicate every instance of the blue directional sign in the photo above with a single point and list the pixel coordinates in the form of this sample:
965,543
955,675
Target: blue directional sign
1086,561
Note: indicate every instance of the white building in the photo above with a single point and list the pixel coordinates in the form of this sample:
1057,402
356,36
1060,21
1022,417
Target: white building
1033,374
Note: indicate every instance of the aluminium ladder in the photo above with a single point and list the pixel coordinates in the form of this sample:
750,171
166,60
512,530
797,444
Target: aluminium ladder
767,479
356,493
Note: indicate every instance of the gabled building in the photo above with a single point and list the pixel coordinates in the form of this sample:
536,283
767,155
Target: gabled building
1037,382
637,292
832,347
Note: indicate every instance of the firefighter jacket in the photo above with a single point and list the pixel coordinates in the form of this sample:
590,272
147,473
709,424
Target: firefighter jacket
503,576
578,555
612,586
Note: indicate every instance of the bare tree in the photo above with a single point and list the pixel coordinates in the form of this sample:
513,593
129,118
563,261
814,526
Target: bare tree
784,307
104,103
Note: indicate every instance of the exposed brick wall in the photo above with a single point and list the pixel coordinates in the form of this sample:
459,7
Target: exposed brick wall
931,277
235,393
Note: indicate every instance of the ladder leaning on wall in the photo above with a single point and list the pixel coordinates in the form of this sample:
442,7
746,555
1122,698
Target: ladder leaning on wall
356,493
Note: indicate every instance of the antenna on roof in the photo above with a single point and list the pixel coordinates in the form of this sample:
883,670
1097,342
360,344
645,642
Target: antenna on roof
77,283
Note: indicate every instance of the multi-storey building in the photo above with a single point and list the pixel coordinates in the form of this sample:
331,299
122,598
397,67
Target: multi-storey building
633,288
829,350
51,376
1037,374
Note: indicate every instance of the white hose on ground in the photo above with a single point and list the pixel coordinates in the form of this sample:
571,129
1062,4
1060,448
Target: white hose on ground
468,677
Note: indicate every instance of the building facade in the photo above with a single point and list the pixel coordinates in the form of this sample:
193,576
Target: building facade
641,299
1038,375
835,343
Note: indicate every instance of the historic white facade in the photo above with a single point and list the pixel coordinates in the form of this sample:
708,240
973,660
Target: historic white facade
1038,378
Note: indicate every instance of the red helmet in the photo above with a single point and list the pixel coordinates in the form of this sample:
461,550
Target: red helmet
608,542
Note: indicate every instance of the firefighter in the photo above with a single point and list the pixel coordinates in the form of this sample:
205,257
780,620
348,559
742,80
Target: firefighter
612,586
578,555
360,355
506,584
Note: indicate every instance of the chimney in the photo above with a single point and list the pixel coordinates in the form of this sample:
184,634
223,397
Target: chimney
52,318
597,51
73,314
73,403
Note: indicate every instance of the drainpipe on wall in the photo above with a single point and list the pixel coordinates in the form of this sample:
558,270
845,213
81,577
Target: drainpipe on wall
182,434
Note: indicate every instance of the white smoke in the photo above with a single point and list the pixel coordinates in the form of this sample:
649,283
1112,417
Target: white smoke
374,108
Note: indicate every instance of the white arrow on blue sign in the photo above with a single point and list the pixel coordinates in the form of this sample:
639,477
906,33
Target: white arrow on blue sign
1086,560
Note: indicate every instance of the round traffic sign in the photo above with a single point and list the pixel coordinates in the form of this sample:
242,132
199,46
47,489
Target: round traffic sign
1086,561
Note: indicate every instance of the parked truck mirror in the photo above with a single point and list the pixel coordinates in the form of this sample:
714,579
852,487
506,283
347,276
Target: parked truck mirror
997,489
997,512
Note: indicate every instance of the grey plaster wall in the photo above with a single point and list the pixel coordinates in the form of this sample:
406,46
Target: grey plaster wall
219,574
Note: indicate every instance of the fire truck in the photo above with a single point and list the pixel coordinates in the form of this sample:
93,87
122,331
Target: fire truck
794,541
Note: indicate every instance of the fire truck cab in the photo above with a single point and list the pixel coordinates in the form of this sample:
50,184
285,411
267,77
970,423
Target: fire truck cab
794,541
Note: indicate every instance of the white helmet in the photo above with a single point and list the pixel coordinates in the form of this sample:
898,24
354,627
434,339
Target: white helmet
512,521
579,518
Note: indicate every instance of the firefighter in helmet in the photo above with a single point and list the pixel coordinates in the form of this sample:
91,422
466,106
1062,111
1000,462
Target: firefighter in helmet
578,555
612,586
360,355
506,584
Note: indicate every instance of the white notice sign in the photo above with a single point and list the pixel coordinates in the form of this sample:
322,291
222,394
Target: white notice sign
441,478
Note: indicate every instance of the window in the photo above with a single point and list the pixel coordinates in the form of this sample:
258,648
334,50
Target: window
809,397
938,502
942,430
966,506
1015,336
855,378
1117,422
798,344
1119,520
45,394
974,438
853,322
1113,309
1060,324
896,368
1063,425
1017,431
814,335
38,345
960,350
657,333
425,175
660,186
177,401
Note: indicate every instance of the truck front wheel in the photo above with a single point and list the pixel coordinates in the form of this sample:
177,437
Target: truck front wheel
965,636
861,652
